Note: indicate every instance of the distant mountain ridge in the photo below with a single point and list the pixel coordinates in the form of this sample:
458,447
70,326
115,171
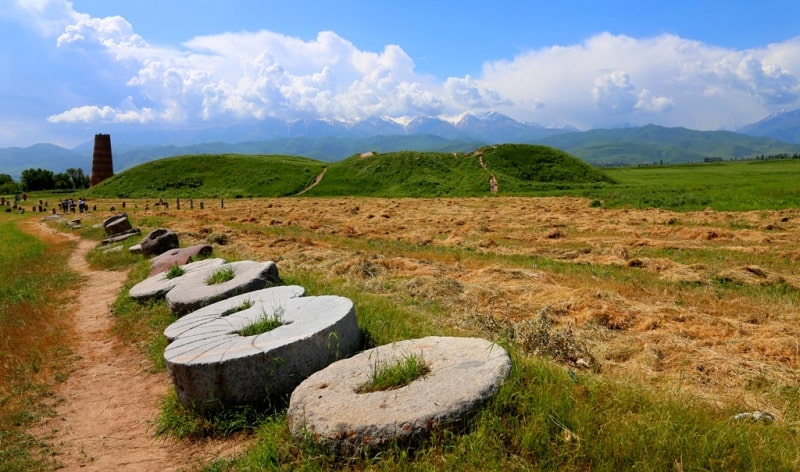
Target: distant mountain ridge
783,126
331,140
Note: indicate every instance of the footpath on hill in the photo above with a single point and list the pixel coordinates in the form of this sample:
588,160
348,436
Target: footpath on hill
106,411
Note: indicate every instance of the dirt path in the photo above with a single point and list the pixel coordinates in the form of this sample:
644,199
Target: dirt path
317,180
105,420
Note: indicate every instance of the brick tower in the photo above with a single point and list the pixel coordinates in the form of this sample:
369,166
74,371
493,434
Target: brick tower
102,164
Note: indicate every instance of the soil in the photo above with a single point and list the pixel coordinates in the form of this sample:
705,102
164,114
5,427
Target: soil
108,405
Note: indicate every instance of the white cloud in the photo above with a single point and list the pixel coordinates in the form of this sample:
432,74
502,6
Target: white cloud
603,81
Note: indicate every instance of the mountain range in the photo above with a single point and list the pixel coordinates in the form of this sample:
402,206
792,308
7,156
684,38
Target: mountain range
331,140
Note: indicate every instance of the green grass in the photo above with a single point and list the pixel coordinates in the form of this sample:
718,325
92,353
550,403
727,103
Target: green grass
265,324
174,271
729,186
220,276
34,339
391,375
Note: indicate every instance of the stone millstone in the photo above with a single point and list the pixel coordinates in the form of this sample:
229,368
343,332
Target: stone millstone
157,286
159,241
178,256
464,373
193,292
212,366
268,297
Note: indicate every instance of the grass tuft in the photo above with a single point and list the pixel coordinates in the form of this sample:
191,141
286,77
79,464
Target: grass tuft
390,376
220,276
174,271
265,324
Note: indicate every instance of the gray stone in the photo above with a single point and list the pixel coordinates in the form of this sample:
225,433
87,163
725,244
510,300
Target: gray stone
193,292
157,286
117,224
159,241
178,256
213,366
269,297
135,249
122,236
464,373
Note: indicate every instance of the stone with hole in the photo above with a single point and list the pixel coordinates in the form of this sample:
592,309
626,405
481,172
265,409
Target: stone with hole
271,298
328,408
214,366
157,286
195,291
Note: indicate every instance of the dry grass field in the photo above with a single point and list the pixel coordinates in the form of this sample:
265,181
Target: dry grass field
705,303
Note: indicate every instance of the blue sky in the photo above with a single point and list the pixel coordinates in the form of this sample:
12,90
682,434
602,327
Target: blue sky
72,69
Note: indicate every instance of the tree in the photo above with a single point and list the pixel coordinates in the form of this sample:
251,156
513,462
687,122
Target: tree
7,184
78,178
61,181
37,179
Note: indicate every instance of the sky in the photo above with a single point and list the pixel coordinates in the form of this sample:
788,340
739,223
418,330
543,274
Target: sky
71,69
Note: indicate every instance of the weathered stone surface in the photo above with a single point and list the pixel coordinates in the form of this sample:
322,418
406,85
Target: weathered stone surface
212,365
193,292
121,236
178,256
158,285
159,241
117,224
136,249
464,373
269,297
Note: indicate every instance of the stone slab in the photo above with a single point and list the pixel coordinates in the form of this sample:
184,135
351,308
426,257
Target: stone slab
464,373
178,256
157,286
212,366
193,292
122,236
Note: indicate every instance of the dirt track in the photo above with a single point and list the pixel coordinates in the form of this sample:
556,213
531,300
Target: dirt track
105,418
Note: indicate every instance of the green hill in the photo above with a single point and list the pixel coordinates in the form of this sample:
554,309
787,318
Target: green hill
227,175
518,169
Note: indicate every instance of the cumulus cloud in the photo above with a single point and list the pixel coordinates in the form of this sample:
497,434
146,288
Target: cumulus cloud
603,81
665,79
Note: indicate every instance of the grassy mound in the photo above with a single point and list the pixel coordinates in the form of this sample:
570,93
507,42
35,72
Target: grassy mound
226,175
518,169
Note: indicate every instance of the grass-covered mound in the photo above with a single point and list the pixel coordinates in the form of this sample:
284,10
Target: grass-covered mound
404,174
227,175
518,169
521,168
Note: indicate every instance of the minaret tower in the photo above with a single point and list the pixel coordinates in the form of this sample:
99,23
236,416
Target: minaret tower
102,164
